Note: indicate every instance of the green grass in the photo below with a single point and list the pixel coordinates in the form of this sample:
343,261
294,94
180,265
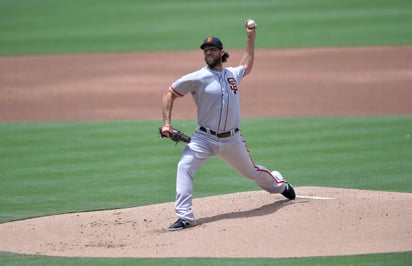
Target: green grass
393,259
54,167
363,152
50,168
83,26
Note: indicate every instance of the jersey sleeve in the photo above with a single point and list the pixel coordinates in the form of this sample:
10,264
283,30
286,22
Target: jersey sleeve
238,72
184,85
241,70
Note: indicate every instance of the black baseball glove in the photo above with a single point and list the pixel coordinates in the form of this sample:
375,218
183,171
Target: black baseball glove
173,134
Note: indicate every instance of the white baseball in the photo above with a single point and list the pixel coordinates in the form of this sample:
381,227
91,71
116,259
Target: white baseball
251,24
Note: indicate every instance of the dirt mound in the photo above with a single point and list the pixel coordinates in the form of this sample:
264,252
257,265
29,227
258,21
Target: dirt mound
320,222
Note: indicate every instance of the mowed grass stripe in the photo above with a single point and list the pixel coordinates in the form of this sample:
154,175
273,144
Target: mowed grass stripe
43,27
77,166
371,153
64,167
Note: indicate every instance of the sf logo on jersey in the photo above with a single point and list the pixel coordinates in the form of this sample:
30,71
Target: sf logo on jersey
233,84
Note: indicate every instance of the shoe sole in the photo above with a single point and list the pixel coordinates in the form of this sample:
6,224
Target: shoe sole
180,228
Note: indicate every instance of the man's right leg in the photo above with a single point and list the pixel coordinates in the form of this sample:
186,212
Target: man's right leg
193,157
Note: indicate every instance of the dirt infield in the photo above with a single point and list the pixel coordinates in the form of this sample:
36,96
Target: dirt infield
284,82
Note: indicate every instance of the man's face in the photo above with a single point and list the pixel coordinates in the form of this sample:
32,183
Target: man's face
213,56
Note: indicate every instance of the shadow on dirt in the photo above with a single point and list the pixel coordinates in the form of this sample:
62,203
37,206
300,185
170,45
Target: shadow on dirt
261,211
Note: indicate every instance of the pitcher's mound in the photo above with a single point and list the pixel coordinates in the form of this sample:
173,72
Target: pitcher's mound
320,222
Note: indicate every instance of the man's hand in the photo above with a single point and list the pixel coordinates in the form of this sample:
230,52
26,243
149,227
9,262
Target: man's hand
173,134
250,31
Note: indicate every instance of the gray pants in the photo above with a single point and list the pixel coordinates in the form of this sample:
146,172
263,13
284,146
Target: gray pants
232,150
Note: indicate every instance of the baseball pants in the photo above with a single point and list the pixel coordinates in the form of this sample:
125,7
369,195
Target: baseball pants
232,150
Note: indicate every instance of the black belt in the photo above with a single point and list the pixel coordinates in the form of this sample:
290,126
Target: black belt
220,135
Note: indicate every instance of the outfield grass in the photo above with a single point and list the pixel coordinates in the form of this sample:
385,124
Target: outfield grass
393,259
82,26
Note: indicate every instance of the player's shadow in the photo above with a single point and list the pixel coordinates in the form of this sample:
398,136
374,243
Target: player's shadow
261,211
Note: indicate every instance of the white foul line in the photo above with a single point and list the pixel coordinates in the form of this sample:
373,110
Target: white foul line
314,197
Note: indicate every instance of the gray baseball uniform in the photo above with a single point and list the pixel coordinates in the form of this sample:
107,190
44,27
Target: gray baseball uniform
216,94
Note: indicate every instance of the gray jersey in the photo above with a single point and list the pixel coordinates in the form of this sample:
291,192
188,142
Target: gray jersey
216,94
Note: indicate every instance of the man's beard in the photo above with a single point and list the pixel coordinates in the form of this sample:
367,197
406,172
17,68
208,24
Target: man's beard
214,63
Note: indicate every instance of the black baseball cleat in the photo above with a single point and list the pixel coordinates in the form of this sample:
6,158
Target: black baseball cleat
289,191
180,224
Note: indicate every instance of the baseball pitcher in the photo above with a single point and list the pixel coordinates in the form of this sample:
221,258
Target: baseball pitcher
216,91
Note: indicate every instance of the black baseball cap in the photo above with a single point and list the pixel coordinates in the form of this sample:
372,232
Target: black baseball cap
212,41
